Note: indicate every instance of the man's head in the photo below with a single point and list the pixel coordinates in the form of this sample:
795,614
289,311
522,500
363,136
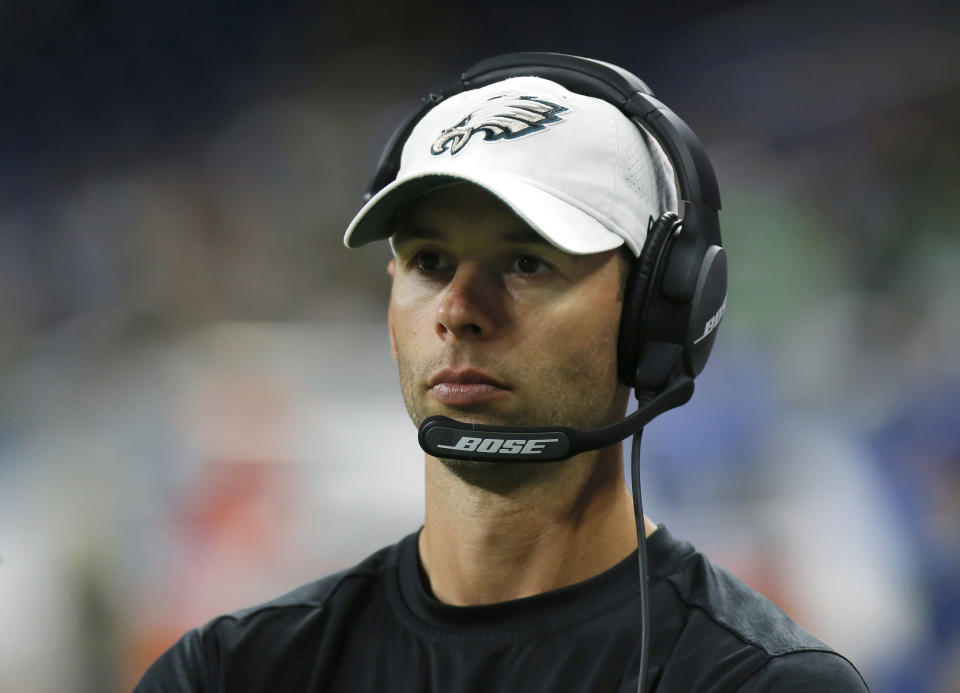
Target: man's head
578,175
519,171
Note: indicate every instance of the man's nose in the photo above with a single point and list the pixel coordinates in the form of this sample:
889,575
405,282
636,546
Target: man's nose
467,308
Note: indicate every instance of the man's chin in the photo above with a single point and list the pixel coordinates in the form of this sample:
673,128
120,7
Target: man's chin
502,477
476,414
484,419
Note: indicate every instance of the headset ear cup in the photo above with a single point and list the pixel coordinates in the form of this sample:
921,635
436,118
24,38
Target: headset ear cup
637,294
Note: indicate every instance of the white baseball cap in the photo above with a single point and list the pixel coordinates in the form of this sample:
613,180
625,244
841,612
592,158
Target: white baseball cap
573,167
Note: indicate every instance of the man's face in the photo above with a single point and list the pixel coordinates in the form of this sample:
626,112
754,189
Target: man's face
489,323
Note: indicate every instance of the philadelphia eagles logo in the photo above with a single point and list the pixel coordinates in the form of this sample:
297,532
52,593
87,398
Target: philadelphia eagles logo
500,118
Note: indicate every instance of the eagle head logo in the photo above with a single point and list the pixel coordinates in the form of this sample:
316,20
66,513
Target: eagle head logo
500,118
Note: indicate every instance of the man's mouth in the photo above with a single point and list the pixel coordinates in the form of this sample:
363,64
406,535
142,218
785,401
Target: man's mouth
460,387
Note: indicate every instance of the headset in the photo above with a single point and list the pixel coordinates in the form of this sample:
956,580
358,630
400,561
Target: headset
675,295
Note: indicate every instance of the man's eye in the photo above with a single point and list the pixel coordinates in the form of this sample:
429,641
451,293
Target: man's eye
527,264
428,261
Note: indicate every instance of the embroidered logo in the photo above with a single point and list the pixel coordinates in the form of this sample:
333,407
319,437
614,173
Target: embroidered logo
500,118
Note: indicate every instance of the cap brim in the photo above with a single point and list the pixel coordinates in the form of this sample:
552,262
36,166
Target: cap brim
559,221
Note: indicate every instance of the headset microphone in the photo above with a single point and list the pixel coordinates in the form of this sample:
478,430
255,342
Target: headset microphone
441,436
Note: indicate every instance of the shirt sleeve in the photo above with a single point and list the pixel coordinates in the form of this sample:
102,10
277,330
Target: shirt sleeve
801,672
180,669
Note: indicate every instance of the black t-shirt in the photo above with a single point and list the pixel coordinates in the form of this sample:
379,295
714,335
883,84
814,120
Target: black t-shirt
375,627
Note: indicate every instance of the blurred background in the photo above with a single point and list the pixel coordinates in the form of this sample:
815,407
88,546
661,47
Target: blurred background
190,359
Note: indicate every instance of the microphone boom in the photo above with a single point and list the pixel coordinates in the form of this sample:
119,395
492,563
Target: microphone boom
442,436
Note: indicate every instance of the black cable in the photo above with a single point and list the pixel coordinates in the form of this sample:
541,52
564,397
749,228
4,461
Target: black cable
642,559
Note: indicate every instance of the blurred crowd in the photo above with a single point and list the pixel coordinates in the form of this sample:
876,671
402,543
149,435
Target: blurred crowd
198,410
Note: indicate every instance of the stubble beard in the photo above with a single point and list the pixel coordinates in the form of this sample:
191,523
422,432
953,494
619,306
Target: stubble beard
569,396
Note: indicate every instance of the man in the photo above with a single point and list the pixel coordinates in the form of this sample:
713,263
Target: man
515,220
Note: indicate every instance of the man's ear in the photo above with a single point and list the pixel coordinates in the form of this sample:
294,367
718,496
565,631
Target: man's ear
392,266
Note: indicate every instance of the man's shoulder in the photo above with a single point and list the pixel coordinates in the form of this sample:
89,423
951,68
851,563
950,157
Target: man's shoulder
274,626
712,592
314,596
733,632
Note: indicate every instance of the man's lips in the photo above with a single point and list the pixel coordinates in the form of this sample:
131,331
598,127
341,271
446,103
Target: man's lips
468,386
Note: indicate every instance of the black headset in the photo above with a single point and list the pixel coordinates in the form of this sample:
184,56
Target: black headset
676,293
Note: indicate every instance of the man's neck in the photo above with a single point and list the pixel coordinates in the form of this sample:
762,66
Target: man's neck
495,535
